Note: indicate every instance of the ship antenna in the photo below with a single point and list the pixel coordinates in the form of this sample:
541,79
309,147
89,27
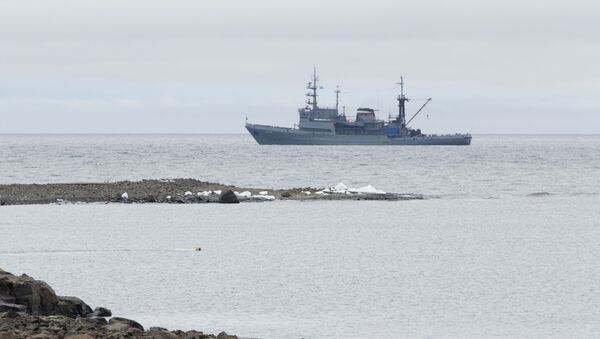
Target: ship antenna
313,87
401,85
401,100
337,99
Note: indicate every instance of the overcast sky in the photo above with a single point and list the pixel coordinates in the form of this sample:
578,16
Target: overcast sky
204,66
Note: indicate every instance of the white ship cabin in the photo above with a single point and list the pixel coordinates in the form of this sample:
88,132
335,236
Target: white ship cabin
366,115
319,119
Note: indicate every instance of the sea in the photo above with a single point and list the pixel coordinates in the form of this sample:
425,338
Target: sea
505,243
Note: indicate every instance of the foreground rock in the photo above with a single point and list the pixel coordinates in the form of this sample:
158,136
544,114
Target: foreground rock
37,297
29,308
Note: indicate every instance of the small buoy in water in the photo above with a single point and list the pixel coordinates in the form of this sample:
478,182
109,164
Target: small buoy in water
198,249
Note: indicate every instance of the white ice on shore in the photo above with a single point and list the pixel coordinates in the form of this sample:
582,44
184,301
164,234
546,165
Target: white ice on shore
341,188
306,192
187,193
264,197
125,195
217,192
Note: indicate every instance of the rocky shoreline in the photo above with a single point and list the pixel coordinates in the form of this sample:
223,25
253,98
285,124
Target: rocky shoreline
31,309
171,191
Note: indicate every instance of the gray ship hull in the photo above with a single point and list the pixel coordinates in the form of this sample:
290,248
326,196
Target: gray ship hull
272,135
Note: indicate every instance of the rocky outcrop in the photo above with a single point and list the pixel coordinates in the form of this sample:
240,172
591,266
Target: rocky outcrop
14,325
123,325
173,191
228,197
38,298
31,309
5,307
100,312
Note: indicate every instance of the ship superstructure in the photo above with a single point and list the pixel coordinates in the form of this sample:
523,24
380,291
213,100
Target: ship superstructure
326,126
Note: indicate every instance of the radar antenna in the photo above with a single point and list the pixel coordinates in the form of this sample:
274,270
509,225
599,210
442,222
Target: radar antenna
337,99
313,87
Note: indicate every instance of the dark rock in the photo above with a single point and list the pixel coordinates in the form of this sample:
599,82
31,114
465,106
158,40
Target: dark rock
156,328
10,335
80,325
122,324
224,335
34,311
38,297
286,194
42,336
228,197
11,315
100,312
161,333
72,307
177,200
79,336
5,307
193,334
91,322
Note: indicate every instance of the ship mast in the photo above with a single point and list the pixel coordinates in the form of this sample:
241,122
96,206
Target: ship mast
337,99
313,87
401,100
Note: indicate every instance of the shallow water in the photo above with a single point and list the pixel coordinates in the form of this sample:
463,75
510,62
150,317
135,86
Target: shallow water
521,267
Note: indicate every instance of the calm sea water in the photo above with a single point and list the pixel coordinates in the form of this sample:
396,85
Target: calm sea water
494,166
481,258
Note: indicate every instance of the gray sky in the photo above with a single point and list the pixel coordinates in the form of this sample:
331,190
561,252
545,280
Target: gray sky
203,66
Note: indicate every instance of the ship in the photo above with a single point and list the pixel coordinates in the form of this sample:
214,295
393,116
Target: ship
326,126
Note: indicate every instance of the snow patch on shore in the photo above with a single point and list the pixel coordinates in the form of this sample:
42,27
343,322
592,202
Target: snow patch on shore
263,197
245,194
341,188
366,189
